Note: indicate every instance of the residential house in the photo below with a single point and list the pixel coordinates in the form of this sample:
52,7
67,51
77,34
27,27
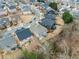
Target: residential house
50,16
23,34
38,30
7,43
44,5
15,19
11,6
25,8
35,11
49,20
2,1
3,10
48,23
49,10
33,1
4,22
77,4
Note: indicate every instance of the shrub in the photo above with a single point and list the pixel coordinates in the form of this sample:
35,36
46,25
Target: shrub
53,6
29,55
67,17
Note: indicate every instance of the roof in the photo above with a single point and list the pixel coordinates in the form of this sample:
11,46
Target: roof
35,11
15,18
77,0
44,5
25,8
48,23
23,33
38,30
50,16
11,5
8,42
33,0
4,22
51,12
2,1
2,6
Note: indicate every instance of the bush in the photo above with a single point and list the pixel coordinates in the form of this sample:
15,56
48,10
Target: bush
32,55
67,17
29,55
53,6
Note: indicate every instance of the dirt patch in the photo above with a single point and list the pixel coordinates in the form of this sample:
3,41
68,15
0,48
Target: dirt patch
26,18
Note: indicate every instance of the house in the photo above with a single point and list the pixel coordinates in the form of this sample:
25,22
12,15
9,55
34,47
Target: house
7,43
33,1
44,5
25,8
3,10
50,11
48,23
35,11
75,12
15,19
4,22
11,6
49,1
23,34
50,16
2,2
38,30
2,26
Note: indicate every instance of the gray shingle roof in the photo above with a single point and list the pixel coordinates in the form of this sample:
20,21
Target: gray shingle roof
38,30
50,16
25,8
23,33
48,23
51,12
77,1
4,22
15,19
7,43
45,5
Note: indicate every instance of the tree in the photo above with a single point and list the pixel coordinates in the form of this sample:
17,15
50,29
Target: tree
67,17
53,6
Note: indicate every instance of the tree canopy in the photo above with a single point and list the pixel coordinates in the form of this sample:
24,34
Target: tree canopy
67,17
53,6
32,55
